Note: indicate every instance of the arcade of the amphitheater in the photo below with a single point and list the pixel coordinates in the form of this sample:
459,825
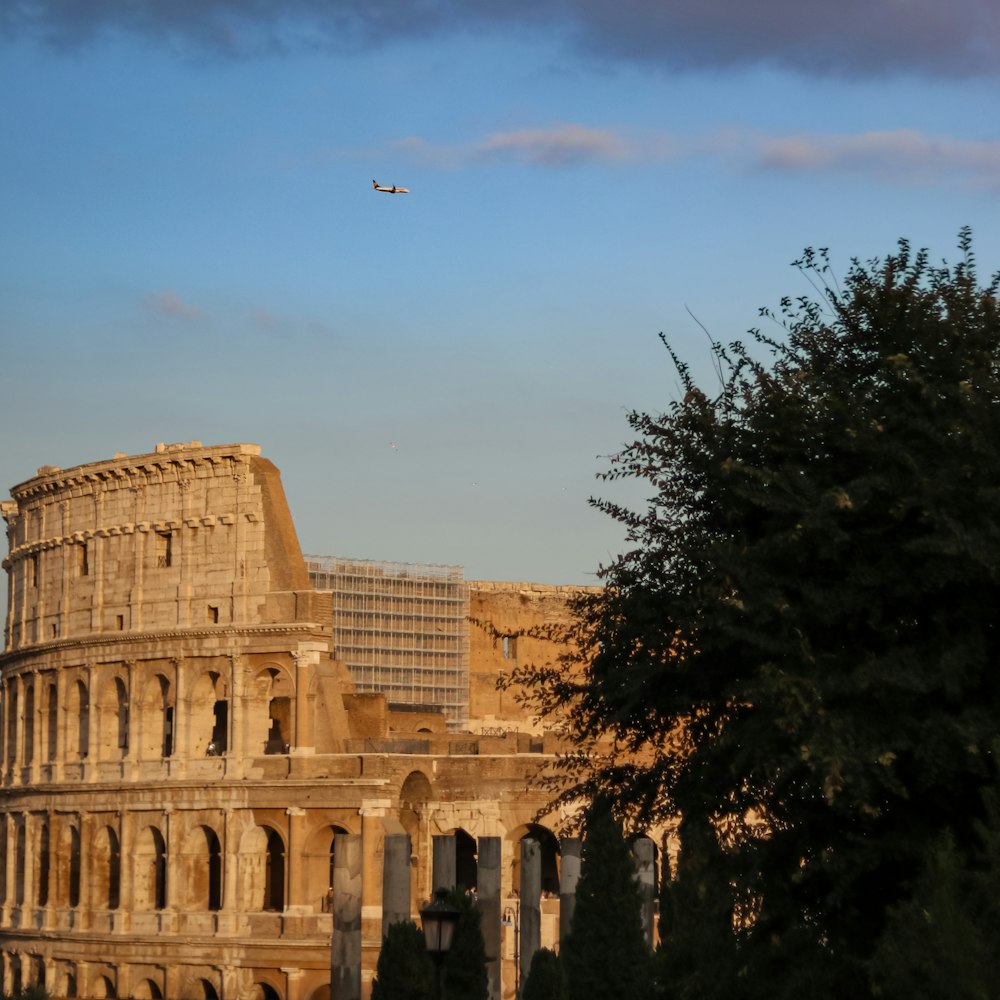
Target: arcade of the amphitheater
202,732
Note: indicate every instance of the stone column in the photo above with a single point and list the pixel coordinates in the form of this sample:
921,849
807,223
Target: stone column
444,873
395,880
531,903
345,950
488,901
569,875
32,726
644,852
295,895
302,737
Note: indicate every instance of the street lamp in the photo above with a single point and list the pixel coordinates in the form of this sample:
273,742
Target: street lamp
511,918
439,919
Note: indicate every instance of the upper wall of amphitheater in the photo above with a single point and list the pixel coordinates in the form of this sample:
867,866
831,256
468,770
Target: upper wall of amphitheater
182,536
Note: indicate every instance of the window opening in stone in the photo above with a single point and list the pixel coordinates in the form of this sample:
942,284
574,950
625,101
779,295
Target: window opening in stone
12,725
220,728
120,622
213,614
122,716
74,869
43,866
168,731
70,985
114,870
19,852
214,871
33,570
164,549
280,712
82,560
510,647
274,874
209,990
83,734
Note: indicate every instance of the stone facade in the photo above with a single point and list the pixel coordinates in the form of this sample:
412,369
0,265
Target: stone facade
181,750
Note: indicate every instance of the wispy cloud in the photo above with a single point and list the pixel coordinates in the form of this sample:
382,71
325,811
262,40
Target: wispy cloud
863,38
901,156
169,303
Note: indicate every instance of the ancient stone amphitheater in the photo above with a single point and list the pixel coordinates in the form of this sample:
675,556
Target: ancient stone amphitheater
209,742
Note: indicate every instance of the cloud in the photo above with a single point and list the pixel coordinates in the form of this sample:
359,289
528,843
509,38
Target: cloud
170,304
866,38
901,156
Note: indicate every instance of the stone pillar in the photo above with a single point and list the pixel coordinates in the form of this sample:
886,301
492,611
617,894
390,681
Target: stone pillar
296,894
488,902
444,873
644,852
531,903
395,880
569,875
345,951
306,661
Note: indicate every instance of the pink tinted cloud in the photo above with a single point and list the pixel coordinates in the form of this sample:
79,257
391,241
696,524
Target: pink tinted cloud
169,303
902,154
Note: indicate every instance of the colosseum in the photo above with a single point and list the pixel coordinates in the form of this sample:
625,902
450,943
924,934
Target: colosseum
226,766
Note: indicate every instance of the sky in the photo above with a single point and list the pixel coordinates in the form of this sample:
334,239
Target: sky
191,247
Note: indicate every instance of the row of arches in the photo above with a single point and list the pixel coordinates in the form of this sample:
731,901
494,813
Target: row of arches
116,712
52,861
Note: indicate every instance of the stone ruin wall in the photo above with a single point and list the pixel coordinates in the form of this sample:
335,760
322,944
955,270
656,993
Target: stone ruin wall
180,748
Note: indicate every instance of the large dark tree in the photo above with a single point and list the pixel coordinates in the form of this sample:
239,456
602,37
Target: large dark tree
605,954
465,972
546,978
798,656
404,970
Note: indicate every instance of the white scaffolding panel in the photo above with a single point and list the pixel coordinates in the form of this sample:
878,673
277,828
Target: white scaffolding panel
402,629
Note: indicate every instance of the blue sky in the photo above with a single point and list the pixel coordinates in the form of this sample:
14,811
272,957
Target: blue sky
190,247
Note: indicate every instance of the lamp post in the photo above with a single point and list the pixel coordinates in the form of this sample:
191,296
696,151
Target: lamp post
439,919
511,918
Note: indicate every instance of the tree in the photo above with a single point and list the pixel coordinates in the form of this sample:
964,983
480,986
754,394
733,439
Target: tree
796,655
605,953
404,970
465,972
546,979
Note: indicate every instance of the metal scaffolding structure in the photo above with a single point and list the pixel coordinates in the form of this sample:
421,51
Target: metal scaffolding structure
402,629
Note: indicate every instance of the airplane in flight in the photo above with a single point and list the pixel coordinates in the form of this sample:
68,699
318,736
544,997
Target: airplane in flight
390,190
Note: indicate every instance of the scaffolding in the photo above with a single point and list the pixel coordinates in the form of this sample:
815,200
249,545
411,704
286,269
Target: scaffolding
402,629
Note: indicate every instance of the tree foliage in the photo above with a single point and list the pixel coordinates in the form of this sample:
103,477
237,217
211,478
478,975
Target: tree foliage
797,653
546,978
605,953
465,972
404,970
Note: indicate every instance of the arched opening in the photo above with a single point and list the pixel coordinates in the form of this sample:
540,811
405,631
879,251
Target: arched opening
44,853
274,872
156,720
74,869
12,724
466,861
52,723
280,715
321,992
271,710
264,991
549,852
150,880
414,796
207,720
29,725
103,988
122,716
78,716
318,857
19,861
200,876
107,868
146,989
209,992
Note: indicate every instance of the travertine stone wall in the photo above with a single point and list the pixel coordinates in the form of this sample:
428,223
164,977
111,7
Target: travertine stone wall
180,751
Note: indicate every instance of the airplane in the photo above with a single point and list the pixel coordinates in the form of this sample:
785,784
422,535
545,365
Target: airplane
390,190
